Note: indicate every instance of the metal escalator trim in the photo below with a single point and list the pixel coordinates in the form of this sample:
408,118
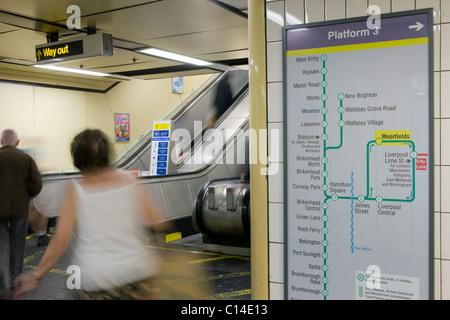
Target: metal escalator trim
198,206
246,211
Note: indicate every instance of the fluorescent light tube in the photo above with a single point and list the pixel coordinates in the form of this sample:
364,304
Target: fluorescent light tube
73,70
174,56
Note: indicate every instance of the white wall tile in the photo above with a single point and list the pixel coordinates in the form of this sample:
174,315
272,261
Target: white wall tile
295,12
276,185
437,188
437,95
276,291
435,4
274,168
445,192
445,94
437,279
437,235
437,141
276,222
274,62
276,262
384,5
275,141
445,279
445,146
445,236
275,102
437,47
356,8
445,11
445,46
403,5
274,20
334,9
314,10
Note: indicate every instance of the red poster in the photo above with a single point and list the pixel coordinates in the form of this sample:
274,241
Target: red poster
122,126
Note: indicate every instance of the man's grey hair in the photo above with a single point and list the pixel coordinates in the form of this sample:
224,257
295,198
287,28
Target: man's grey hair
9,138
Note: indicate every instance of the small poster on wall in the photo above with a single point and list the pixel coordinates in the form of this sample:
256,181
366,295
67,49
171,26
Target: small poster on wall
177,85
122,126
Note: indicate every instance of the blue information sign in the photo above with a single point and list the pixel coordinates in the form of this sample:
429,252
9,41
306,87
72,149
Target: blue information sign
160,156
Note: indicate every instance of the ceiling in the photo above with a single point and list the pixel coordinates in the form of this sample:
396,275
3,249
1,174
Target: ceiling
210,30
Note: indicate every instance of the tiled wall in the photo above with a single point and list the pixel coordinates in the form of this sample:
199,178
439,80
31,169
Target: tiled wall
288,12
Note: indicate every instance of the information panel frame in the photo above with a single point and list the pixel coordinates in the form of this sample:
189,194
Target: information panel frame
307,275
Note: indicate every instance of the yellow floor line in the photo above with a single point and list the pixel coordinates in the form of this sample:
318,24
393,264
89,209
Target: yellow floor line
33,256
224,276
228,295
209,259
196,252
53,270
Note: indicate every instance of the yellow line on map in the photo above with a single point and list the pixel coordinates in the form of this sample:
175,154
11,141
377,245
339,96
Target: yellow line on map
360,46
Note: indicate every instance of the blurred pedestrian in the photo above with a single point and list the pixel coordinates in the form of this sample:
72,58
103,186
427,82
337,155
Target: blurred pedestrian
109,214
222,101
20,181
38,224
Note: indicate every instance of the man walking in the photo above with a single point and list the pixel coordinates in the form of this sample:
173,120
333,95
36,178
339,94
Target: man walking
20,180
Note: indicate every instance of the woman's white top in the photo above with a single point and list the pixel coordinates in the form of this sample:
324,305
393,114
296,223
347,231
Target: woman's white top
110,247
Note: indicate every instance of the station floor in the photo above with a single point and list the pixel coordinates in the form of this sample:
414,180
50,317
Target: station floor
226,276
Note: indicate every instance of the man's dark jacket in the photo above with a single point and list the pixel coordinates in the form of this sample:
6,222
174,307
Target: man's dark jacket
20,181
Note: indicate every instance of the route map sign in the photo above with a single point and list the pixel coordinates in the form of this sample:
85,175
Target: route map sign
358,112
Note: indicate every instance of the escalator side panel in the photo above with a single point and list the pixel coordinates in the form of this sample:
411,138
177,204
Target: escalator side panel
177,198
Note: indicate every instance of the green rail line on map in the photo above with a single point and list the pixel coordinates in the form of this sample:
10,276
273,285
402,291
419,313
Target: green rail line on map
324,173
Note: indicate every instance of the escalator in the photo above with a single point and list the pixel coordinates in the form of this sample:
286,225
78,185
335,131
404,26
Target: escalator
189,118
216,153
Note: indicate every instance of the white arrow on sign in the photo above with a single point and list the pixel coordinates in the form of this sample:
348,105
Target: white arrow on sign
418,26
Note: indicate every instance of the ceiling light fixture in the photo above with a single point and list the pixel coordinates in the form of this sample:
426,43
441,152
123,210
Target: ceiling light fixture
73,70
174,56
